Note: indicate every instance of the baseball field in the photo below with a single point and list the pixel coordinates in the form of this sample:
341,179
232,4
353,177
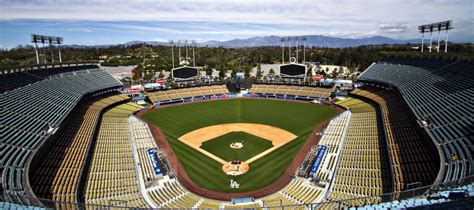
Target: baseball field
268,146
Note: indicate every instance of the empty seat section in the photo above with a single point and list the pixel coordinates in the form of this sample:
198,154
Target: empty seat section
59,173
412,160
32,111
111,179
364,168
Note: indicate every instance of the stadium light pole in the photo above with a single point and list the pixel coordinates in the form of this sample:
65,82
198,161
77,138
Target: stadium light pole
304,49
50,39
431,37
282,50
34,40
422,38
446,43
172,52
439,26
186,50
44,51
194,59
59,41
59,51
179,52
448,27
297,49
289,49
439,36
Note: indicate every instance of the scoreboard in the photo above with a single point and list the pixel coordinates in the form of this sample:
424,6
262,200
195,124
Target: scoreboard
184,73
293,70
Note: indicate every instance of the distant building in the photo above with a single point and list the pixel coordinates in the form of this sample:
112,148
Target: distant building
344,84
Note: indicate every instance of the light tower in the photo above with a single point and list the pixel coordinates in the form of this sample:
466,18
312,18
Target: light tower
52,40
187,59
440,26
294,70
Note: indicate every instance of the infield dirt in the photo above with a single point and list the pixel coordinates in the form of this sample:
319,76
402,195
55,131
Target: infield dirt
277,136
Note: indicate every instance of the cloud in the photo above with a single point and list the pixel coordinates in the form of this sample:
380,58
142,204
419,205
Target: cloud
160,40
83,30
351,34
392,28
126,20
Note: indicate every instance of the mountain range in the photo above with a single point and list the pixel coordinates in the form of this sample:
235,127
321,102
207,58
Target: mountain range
312,40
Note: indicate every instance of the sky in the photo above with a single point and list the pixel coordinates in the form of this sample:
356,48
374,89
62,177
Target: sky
96,22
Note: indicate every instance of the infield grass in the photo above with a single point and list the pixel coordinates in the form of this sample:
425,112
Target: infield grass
220,146
298,118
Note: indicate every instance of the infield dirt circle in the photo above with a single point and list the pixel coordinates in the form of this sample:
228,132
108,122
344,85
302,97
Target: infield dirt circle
235,169
277,136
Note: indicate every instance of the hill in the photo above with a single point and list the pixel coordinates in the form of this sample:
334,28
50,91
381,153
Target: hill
312,40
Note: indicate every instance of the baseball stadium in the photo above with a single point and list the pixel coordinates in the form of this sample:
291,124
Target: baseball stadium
398,134
71,138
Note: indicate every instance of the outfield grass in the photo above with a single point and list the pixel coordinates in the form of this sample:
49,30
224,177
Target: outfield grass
298,118
253,145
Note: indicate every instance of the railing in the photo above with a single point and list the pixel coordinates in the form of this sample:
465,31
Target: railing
69,205
367,200
289,82
387,197
197,83
36,67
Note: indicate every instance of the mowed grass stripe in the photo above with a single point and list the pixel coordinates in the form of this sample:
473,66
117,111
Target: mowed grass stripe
197,163
298,118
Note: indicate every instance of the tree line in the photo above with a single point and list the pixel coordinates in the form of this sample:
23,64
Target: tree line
155,59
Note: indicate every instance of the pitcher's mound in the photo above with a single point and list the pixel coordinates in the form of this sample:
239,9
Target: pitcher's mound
235,168
236,145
